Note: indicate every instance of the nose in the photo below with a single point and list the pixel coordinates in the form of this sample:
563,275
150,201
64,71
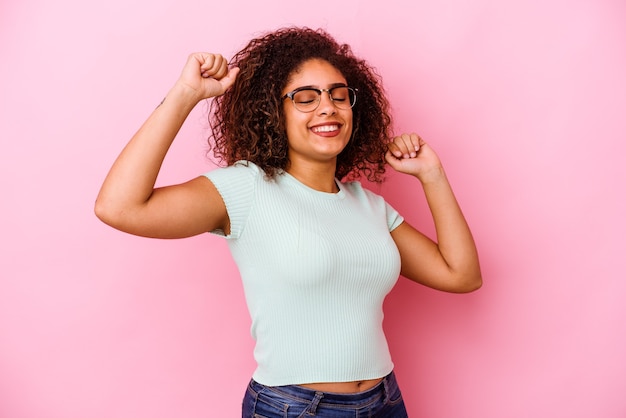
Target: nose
326,106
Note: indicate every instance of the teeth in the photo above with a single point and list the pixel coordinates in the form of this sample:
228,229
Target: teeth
325,128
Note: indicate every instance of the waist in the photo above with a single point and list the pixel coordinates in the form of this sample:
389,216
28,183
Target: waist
382,387
343,387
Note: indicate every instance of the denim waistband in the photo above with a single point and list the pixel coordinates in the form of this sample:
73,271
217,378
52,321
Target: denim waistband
301,394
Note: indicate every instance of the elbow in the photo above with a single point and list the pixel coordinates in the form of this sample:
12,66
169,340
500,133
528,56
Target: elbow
473,285
106,212
468,283
99,210
102,212
464,281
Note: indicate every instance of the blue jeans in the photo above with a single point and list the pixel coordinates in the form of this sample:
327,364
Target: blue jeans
383,401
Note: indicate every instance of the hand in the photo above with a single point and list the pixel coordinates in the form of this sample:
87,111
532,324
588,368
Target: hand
207,75
410,154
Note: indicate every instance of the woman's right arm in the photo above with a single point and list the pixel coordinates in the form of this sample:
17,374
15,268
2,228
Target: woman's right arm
128,200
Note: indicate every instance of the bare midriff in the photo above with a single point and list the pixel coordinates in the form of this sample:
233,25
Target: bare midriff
343,387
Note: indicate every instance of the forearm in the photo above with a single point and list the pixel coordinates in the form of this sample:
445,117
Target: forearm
454,238
130,181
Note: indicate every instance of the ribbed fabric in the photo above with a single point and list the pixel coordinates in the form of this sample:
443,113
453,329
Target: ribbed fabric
316,268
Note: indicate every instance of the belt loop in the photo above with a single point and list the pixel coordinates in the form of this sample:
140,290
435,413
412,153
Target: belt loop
312,408
386,388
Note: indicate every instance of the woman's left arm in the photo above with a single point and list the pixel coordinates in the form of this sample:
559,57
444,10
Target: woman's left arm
451,263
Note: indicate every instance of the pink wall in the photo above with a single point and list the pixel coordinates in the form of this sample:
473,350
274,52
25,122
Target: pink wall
525,102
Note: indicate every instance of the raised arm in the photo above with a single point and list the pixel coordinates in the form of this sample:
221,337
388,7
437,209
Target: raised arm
128,199
451,262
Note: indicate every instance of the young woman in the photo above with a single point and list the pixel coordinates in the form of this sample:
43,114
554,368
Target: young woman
298,118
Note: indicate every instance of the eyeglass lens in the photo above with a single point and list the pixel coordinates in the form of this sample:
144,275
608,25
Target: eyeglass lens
307,100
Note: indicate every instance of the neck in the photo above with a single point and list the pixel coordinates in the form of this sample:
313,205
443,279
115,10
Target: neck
319,177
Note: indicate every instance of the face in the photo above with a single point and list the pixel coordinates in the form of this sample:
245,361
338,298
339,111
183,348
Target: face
319,135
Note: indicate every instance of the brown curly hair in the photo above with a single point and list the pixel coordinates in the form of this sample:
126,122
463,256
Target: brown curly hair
247,121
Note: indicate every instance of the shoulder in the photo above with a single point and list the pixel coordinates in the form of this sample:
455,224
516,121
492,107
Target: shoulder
237,185
239,171
240,166
356,189
373,202
237,181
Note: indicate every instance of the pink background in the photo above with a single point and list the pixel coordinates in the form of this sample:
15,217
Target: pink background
525,101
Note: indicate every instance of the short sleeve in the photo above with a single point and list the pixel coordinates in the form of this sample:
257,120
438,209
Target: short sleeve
237,185
394,219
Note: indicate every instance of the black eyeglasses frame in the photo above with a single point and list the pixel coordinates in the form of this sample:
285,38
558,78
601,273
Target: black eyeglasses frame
319,92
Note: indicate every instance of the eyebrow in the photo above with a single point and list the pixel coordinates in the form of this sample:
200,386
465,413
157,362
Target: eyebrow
332,86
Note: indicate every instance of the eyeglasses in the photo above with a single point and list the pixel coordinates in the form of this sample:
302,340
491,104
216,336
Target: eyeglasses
307,99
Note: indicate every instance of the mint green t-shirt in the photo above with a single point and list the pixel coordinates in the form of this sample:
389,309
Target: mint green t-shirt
316,268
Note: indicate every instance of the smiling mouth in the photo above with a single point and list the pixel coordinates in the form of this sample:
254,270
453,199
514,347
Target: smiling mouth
325,128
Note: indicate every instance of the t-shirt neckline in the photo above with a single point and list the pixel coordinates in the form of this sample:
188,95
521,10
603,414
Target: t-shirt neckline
338,195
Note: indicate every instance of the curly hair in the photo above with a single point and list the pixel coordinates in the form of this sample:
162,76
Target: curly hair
248,123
